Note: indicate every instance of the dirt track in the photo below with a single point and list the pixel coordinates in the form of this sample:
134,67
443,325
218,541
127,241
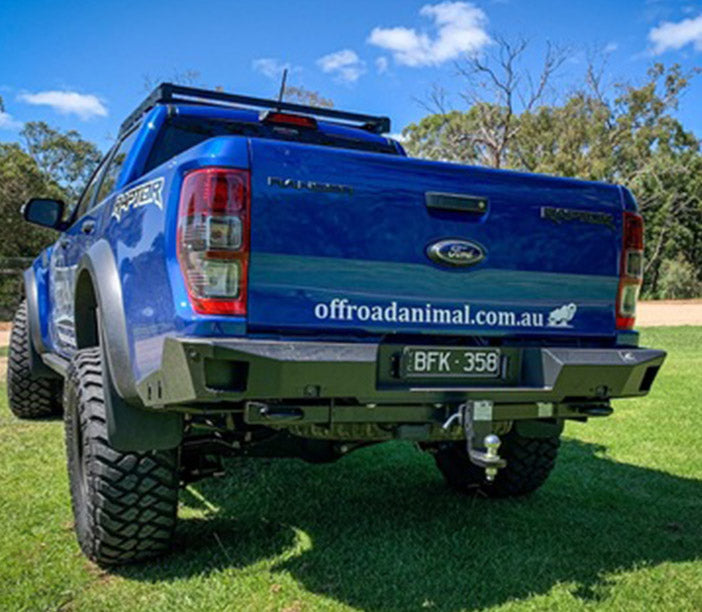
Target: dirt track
669,312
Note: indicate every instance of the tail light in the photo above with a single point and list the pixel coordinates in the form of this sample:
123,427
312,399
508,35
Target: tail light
630,270
213,239
289,119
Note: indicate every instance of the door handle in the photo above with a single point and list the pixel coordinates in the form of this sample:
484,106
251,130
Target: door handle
456,202
87,226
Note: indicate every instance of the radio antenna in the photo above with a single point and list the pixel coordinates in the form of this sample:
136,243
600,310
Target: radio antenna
282,86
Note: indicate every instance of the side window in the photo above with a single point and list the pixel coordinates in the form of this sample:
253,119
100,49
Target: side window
87,197
115,166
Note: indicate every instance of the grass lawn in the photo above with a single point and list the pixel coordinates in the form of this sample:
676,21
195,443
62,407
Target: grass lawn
618,525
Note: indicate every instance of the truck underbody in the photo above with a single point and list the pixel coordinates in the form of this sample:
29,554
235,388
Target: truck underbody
273,397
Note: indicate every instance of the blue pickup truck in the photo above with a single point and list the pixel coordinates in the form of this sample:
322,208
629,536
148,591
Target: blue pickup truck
254,277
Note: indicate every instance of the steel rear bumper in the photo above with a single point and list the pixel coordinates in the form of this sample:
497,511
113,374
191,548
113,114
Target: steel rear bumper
198,371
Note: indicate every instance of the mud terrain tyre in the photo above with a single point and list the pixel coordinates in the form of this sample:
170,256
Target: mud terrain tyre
124,504
529,463
29,397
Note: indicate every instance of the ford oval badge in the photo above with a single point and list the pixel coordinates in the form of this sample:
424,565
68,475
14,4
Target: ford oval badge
455,252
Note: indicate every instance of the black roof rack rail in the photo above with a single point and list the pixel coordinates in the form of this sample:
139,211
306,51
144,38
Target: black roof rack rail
169,92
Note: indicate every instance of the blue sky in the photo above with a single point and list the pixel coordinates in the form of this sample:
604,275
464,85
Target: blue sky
83,65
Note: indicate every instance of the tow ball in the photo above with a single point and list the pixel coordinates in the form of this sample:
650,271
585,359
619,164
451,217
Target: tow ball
479,436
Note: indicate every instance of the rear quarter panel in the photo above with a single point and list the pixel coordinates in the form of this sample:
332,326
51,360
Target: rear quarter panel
143,240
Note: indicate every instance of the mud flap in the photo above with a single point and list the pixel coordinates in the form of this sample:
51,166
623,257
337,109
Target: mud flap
134,429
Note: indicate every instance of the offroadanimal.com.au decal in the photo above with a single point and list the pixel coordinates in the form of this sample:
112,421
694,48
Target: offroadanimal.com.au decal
339,309
146,193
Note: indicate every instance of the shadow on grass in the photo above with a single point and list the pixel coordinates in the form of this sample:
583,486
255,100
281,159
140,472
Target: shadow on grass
385,534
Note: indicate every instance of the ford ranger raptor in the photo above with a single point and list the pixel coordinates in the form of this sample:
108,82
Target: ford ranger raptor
253,277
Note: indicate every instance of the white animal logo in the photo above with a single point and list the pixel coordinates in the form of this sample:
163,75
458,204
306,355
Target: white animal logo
562,316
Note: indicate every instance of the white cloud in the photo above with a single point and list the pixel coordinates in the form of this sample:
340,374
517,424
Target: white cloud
271,67
669,35
611,47
85,106
345,64
8,122
399,136
381,64
459,28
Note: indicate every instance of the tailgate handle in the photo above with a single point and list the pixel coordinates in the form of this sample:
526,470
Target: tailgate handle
453,201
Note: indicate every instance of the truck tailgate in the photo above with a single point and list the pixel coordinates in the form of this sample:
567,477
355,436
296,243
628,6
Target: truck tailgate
340,240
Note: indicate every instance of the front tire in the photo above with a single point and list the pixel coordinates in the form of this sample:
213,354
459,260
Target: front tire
124,503
529,463
29,397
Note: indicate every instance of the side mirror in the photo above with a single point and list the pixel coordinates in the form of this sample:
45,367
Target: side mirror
44,212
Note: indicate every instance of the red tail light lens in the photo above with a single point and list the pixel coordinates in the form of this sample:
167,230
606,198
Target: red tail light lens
213,239
630,270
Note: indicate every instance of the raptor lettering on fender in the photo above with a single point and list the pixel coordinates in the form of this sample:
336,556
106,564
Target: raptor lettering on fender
146,193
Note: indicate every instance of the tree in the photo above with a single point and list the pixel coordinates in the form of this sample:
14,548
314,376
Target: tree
496,88
628,136
446,136
20,179
64,156
301,95
632,139
53,164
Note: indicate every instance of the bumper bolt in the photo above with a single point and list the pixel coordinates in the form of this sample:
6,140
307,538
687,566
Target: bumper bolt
311,391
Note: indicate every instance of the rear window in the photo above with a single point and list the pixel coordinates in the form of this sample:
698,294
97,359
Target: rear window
182,133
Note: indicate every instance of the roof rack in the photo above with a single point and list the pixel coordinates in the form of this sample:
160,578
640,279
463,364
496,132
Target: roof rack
169,92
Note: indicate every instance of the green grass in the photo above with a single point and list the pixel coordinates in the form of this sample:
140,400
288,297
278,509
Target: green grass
618,525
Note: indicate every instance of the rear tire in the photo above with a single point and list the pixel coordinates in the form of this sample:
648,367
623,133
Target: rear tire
529,463
29,397
124,503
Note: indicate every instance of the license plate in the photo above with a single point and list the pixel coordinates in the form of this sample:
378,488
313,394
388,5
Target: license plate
438,362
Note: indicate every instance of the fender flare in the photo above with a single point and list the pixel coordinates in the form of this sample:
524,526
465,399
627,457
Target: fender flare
37,348
99,263
130,427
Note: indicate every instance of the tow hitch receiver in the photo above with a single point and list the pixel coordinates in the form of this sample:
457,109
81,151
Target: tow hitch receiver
479,436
